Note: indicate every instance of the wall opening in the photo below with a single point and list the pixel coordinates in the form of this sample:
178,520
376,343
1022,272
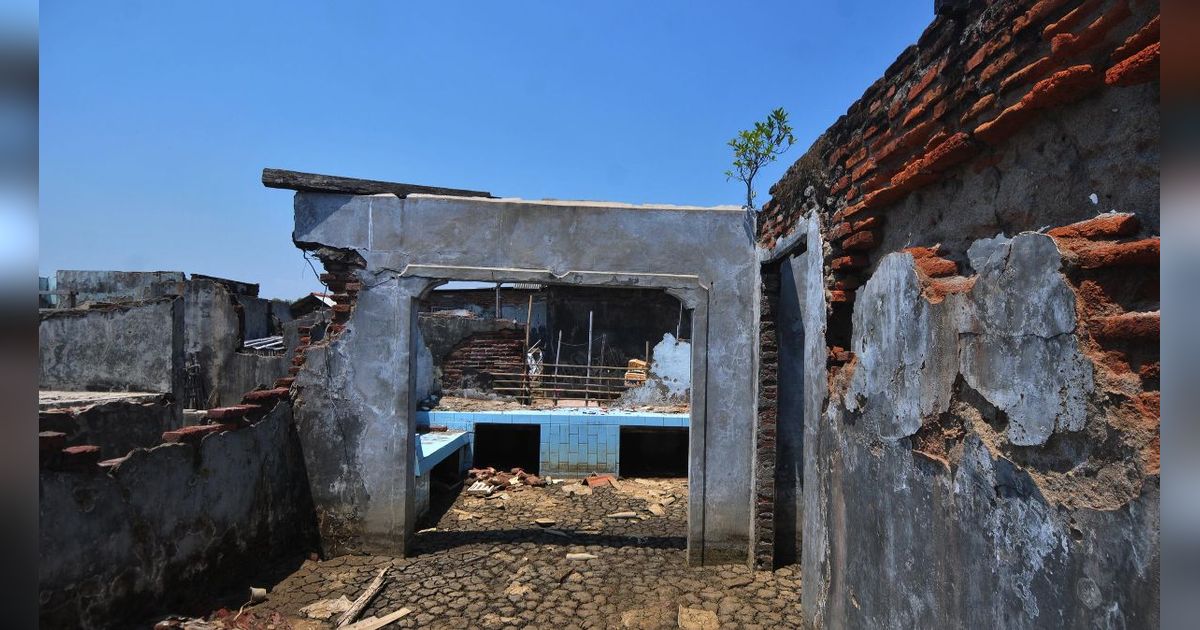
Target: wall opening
507,446
789,446
654,452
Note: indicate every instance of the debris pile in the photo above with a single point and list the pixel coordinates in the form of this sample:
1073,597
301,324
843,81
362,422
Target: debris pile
489,479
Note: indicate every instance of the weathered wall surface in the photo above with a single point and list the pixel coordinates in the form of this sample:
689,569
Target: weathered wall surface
214,336
117,427
442,333
116,286
171,525
988,450
128,347
354,408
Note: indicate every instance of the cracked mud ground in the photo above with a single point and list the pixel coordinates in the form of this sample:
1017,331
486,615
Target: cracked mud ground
485,563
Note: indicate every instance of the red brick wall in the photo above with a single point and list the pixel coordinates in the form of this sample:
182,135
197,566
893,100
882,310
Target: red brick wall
970,82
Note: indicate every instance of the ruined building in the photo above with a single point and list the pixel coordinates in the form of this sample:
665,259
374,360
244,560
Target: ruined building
926,373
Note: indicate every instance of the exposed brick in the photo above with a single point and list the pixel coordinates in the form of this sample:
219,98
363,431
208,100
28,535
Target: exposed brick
856,157
986,51
913,138
978,108
285,381
1072,19
1139,68
1148,34
50,444
860,241
926,79
935,267
919,110
1135,325
839,185
264,395
231,412
841,296
1103,226
1004,125
923,252
840,230
1035,70
998,65
1036,14
1097,254
193,434
954,150
83,458
1067,44
853,261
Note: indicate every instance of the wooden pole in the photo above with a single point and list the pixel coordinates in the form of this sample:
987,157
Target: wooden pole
498,300
647,355
528,318
588,384
557,353
678,326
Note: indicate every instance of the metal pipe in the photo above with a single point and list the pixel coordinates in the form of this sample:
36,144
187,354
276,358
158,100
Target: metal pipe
589,358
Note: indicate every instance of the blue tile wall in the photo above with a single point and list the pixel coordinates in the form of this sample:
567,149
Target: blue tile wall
574,442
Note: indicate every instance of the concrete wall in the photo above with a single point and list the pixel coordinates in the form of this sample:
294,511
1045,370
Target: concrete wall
116,286
356,411
980,442
128,347
171,526
213,331
117,427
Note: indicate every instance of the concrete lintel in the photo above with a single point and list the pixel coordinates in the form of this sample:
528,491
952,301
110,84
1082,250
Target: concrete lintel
545,276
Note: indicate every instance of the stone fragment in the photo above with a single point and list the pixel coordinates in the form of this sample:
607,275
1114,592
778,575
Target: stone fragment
657,509
545,522
581,556
697,619
326,608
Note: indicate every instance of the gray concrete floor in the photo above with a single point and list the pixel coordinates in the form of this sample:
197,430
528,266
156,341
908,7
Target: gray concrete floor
484,563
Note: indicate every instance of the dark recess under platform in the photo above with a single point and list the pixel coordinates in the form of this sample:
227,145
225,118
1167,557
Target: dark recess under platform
508,446
654,452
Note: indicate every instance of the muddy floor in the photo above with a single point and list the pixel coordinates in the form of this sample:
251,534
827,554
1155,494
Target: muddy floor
487,563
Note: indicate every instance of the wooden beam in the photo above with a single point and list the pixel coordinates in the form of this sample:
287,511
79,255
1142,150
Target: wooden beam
312,182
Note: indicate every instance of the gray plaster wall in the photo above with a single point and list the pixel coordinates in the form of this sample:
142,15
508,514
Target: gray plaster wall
116,286
135,346
355,410
213,339
1032,516
171,525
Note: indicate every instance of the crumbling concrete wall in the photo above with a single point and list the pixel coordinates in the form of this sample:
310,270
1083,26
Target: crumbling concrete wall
171,526
669,379
137,346
117,286
355,408
117,427
984,449
214,337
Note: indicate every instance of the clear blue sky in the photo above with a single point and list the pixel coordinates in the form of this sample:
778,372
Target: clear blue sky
158,116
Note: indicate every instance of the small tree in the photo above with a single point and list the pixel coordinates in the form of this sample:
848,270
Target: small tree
755,148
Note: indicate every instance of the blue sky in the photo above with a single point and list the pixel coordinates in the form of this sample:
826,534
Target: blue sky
157,117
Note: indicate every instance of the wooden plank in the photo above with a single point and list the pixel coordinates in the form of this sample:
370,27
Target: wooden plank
360,604
313,182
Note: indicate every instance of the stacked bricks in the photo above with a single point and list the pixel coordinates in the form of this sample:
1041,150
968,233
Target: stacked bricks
974,78
502,351
978,74
1115,272
768,412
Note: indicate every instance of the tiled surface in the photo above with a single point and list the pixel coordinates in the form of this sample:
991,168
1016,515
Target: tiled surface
432,448
573,441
